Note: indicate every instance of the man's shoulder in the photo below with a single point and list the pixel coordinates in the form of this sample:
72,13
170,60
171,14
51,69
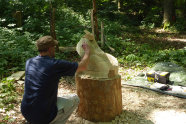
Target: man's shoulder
40,58
32,58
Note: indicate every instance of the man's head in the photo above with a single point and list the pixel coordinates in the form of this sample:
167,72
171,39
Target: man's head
46,45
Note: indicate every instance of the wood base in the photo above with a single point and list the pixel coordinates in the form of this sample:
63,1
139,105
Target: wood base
100,100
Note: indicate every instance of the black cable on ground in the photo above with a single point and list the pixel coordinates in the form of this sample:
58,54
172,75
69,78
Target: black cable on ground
177,95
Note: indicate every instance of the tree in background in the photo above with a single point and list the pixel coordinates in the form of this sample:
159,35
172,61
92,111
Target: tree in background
169,13
37,13
52,20
95,30
174,13
120,5
181,8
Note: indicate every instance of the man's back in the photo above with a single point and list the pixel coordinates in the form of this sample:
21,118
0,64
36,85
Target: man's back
41,84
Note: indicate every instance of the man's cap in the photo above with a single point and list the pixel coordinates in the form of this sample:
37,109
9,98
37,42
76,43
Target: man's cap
45,42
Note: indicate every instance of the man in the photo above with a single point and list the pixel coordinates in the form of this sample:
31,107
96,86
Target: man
40,104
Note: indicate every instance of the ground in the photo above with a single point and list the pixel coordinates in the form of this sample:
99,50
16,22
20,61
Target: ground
140,106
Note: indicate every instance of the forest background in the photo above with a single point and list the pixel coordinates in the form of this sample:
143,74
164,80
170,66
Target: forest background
139,33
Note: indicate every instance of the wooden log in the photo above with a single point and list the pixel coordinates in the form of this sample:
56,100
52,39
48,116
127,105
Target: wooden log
67,49
100,99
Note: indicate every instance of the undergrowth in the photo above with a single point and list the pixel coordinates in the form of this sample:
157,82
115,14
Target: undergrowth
7,94
133,46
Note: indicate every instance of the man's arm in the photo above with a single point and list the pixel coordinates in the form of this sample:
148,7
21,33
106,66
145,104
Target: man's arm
85,60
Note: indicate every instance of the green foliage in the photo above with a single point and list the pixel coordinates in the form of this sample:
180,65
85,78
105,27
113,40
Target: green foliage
153,18
72,17
113,28
166,25
129,53
36,25
70,26
179,25
8,94
15,48
79,5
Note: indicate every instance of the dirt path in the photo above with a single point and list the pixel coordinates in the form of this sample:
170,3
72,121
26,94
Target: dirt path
142,106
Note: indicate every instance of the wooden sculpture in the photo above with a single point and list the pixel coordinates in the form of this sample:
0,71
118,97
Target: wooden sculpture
99,87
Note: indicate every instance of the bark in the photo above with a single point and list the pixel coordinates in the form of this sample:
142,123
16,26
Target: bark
95,22
102,35
18,16
120,5
169,12
52,24
184,10
100,100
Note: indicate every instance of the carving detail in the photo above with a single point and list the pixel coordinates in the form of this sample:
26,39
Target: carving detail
101,65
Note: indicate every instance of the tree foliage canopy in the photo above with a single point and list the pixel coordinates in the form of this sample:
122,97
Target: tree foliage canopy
122,28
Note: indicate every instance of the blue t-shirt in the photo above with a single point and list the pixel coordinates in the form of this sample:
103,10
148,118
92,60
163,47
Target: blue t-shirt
41,85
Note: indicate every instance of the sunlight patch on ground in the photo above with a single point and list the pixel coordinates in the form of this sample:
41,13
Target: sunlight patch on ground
161,30
2,110
168,117
176,39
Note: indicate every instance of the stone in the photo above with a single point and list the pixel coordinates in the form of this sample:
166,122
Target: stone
179,78
167,67
20,82
17,76
23,78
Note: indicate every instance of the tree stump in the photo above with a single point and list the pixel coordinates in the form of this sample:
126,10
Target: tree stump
100,99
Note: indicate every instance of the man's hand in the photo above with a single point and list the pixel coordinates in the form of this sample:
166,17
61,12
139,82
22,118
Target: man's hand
86,48
82,66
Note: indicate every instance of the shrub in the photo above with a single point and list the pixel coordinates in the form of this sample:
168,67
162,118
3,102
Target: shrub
15,49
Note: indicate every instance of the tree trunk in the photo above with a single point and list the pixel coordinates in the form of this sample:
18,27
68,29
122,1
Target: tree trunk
52,24
169,12
184,10
95,22
100,100
120,5
102,35
18,16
